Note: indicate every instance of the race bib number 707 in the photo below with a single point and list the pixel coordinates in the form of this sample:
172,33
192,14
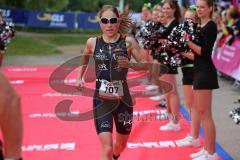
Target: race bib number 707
111,89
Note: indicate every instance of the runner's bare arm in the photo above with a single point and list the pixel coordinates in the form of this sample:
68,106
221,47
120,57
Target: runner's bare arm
135,51
84,59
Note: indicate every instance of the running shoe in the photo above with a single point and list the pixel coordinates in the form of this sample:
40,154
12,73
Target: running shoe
188,141
170,127
198,154
207,156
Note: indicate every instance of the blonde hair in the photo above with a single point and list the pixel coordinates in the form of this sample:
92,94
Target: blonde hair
197,20
126,22
157,7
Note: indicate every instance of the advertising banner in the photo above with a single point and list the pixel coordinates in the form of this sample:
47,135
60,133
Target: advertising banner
50,19
87,21
227,59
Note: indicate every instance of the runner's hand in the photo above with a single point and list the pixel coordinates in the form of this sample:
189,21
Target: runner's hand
80,83
123,62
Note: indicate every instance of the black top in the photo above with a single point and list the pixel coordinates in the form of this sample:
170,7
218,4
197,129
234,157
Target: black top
208,35
6,34
2,43
170,27
2,26
106,65
167,56
185,61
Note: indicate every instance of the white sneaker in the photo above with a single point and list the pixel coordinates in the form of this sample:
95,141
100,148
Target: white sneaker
146,83
188,141
207,156
198,154
170,127
157,97
162,114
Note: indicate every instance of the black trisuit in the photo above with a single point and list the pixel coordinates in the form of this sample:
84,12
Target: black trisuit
112,99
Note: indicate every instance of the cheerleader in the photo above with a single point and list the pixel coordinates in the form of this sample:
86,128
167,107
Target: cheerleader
172,15
146,15
151,32
6,34
205,78
187,81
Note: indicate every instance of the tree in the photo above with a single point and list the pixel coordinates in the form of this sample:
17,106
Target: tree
12,3
47,5
136,7
57,5
74,5
85,5
82,5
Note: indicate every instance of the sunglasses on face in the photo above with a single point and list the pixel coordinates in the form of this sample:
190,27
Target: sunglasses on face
111,20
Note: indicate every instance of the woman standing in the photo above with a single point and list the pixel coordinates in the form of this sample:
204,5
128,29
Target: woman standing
112,100
205,78
6,34
191,139
172,15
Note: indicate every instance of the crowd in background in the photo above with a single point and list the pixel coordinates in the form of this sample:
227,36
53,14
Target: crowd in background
226,15
158,38
154,31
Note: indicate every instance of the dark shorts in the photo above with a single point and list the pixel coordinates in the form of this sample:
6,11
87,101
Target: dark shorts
105,111
187,78
205,80
172,71
168,70
155,55
2,46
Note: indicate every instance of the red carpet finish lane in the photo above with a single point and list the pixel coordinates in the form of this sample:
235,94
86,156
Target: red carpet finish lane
47,136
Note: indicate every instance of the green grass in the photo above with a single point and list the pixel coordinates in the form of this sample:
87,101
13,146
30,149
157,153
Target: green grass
43,44
54,30
30,46
67,40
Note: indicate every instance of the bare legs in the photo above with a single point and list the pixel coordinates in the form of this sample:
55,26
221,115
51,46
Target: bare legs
195,120
172,97
203,103
108,148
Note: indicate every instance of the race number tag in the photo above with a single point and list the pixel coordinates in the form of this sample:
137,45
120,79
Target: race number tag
111,89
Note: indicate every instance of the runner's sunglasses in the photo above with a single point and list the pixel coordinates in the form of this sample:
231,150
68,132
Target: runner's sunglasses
111,20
